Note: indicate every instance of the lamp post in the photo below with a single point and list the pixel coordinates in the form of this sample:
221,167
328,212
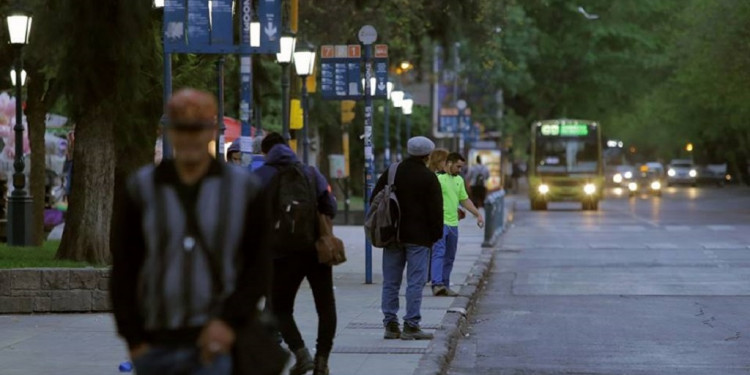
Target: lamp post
461,105
166,148
398,98
304,64
407,106
20,226
284,57
13,77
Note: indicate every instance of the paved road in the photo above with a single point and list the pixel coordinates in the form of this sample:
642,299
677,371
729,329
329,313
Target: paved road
644,286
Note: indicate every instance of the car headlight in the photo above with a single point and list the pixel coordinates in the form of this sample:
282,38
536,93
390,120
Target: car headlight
617,178
656,185
618,191
589,189
671,173
543,189
693,173
628,175
632,186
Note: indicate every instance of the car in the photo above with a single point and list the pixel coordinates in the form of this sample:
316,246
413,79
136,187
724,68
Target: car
682,171
713,174
623,174
648,180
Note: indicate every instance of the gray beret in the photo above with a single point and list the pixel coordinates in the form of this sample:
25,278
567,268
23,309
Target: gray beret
419,146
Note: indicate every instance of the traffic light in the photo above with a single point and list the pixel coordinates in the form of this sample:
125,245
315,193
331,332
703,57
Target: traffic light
347,111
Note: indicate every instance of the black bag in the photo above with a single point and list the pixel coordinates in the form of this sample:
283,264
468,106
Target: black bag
382,221
294,209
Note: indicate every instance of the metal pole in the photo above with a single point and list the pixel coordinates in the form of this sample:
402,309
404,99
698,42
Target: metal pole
408,127
19,231
220,117
369,158
387,134
285,102
305,139
166,147
398,135
461,131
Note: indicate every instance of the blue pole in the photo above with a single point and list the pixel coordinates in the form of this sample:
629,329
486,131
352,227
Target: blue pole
369,158
166,148
387,134
246,73
220,117
305,138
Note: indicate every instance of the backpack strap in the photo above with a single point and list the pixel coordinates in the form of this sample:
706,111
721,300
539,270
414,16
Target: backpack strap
392,173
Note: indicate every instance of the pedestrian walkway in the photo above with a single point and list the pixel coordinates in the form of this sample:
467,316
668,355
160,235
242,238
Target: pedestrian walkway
87,344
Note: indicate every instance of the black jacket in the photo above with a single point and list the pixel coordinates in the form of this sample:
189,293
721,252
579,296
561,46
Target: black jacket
421,201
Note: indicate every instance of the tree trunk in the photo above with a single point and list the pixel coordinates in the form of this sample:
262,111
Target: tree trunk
36,114
87,228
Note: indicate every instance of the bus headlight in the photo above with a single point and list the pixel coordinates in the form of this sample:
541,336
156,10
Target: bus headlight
589,189
671,173
693,173
617,178
656,185
543,189
632,186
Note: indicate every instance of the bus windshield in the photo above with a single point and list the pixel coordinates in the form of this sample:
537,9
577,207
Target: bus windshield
567,155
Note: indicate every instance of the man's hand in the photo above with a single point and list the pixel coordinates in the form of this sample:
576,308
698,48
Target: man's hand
138,350
480,221
216,338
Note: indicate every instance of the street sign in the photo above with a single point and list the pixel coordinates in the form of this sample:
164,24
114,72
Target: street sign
189,27
337,163
341,72
448,122
368,35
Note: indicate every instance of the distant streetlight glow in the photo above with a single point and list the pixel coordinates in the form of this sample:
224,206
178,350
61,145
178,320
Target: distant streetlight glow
158,3
398,98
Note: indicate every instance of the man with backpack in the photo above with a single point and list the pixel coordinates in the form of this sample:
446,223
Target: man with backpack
478,176
418,226
188,265
296,194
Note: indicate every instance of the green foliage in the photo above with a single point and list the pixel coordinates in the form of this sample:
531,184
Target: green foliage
28,257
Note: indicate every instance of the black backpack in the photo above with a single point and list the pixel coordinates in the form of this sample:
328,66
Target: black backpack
294,209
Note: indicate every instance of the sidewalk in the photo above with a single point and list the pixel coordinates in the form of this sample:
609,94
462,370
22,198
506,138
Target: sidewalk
87,344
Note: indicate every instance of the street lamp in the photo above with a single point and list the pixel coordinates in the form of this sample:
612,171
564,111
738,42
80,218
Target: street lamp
13,77
406,107
284,57
158,3
20,224
304,64
387,133
398,100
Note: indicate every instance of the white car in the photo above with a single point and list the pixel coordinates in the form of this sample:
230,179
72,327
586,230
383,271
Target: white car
682,171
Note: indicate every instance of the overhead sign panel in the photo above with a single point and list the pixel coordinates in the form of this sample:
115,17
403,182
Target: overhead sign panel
341,75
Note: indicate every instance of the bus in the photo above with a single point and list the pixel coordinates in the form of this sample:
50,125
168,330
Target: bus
566,163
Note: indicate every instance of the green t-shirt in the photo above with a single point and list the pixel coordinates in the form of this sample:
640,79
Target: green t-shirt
454,191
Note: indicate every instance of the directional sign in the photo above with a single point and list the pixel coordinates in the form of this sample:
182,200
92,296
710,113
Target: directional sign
381,71
341,72
449,120
269,15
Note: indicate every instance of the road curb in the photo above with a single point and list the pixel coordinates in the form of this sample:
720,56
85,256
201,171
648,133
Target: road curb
442,347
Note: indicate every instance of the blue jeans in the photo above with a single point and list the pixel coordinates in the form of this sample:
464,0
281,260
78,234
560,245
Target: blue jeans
395,258
180,360
443,256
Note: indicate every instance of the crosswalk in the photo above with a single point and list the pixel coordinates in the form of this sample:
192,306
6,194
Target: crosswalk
640,228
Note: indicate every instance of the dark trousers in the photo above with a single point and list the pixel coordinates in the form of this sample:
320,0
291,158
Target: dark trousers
287,278
478,194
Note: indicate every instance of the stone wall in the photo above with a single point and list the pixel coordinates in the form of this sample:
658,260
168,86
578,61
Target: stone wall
47,290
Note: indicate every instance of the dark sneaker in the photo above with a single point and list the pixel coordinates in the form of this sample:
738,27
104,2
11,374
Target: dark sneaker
414,333
438,290
450,293
392,331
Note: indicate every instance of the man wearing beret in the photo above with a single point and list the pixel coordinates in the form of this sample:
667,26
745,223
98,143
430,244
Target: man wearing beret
421,225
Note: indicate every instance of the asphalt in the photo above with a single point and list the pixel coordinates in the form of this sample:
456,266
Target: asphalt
86,344
655,286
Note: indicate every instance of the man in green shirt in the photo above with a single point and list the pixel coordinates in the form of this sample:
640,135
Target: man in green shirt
444,252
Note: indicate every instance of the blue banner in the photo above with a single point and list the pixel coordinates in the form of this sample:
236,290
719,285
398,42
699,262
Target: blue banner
381,76
269,16
221,22
246,70
174,23
198,24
